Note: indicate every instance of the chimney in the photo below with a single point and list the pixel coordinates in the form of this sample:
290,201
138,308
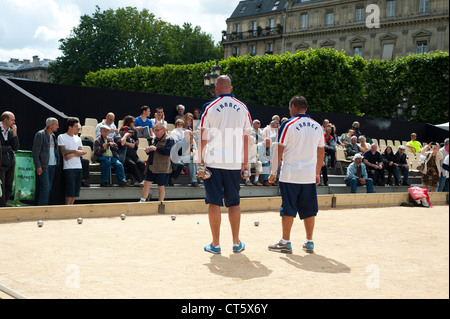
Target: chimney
35,60
26,62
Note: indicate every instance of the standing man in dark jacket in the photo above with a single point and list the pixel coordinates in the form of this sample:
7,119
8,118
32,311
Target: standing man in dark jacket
46,158
9,143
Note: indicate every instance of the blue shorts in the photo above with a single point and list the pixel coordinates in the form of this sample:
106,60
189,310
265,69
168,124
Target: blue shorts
298,198
160,179
224,185
73,178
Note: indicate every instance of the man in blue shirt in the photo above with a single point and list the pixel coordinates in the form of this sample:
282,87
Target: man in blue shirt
357,175
142,121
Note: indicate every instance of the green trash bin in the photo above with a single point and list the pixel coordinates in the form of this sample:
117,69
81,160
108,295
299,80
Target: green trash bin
24,185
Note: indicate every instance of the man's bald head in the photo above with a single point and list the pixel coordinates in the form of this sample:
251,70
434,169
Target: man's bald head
223,85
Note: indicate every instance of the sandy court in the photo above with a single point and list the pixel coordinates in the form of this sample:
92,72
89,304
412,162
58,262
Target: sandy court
394,252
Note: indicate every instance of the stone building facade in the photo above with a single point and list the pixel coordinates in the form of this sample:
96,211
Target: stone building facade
373,29
35,70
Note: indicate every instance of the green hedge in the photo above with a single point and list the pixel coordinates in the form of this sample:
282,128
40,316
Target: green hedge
330,80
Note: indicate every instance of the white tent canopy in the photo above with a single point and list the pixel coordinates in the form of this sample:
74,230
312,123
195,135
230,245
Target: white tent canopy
443,126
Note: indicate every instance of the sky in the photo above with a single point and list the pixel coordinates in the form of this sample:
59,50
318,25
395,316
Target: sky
34,27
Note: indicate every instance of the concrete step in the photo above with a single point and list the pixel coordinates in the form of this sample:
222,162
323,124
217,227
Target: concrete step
98,194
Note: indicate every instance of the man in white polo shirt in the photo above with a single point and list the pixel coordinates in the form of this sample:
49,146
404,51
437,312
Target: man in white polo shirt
72,150
225,125
301,146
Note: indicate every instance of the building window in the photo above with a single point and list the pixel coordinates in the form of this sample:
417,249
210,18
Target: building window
252,50
271,23
388,51
329,18
359,13
243,9
422,47
236,51
358,51
424,6
269,48
237,27
390,9
254,27
304,21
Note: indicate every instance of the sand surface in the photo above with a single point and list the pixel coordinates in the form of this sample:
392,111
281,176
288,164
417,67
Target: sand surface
394,252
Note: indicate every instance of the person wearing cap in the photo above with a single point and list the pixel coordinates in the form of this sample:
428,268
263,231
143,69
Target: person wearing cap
402,165
105,153
357,175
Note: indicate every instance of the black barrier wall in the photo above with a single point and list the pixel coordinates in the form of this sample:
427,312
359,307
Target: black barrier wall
85,102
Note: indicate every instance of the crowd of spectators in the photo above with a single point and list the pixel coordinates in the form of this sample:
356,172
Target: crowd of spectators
152,150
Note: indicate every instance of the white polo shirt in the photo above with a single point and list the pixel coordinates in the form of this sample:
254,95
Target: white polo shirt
225,119
301,136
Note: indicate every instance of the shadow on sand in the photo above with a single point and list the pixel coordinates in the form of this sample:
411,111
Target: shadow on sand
237,266
316,263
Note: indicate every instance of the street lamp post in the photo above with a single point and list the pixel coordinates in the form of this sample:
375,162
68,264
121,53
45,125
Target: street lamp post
402,110
210,78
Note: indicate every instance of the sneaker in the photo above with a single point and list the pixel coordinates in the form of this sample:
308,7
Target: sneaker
258,184
238,248
309,247
281,248
248,183
213,250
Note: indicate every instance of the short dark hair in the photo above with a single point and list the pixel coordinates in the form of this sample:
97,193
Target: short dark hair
71,121
144,108
299,102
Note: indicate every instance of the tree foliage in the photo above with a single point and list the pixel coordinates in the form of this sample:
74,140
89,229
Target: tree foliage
330,80
126,38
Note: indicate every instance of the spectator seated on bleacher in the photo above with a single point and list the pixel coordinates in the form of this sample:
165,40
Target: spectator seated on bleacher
402,165
253,163
159,118
363,145
345,138
357,175
105,153
108,122
414,145
128,146
352,148
390,164
374,164
264,151
181,152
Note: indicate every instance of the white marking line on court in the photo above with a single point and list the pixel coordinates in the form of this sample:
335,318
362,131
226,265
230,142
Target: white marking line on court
11,292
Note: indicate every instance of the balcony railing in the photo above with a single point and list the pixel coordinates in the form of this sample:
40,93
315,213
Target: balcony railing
250,34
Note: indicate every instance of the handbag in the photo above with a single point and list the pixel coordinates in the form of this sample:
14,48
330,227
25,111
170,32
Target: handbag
421,167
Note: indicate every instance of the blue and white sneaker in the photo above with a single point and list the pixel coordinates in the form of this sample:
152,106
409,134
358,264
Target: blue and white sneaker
238,248
309,247
281,248
213,250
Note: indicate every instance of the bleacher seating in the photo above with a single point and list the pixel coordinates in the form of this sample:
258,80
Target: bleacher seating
88,132
90,122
